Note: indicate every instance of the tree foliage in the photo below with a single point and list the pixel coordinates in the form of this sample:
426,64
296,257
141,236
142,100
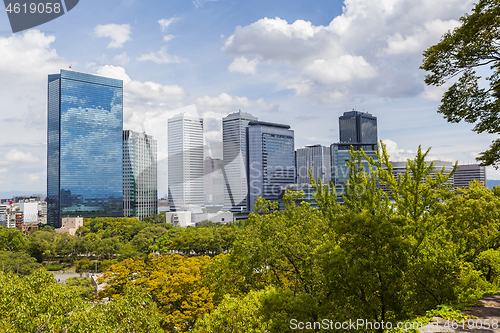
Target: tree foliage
457,57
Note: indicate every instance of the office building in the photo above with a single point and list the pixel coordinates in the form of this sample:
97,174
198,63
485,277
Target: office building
359,131
234,154
185,162
358,127
399,168
340,155
84,146
140,175
214,181
315,158
271,160
467,173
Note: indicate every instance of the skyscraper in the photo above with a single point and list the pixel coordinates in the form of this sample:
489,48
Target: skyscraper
140,175
315,158
84,146
271,160
234,155
185,161
359,131
358,127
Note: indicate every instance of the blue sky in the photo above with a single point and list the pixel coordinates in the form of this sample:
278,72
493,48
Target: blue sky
297,62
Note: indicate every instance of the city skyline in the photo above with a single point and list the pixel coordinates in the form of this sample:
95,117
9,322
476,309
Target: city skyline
307,63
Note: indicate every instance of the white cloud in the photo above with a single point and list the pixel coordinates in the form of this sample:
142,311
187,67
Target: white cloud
168,38
424,36
119,34
344,68
121,59
396,154
164,23
227,103
114,72
161,57
28,57
242,65
15,155
372,48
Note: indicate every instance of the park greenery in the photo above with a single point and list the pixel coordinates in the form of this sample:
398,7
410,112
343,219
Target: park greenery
396,249
467,62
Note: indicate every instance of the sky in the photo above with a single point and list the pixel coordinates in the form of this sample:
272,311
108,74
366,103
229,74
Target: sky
301,63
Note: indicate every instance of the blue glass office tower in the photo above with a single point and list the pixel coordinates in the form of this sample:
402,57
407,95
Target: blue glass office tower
84,146
271,161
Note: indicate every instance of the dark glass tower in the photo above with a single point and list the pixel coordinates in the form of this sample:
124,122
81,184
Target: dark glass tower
271,160
358,127
84,146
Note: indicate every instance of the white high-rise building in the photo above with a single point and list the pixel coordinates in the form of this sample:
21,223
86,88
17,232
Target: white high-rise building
234,155
185,162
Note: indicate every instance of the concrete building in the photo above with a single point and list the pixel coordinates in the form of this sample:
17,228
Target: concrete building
84,146
467,173
399,168
140,175
30,211
70,225
219,217
271,160
315,158
234,141
185,162
179,219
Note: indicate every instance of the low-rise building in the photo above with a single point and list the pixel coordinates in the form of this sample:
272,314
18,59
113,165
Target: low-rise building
70,225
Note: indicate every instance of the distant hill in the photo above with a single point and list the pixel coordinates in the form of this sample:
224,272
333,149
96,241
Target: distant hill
492,183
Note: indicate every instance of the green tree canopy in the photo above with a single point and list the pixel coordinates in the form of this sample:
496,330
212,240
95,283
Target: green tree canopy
471,46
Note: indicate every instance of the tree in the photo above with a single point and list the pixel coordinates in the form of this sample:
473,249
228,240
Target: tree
175,283
19,263
473,45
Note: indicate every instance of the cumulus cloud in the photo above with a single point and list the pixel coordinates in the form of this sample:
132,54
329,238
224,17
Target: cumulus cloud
397,154
29,56
242,65
344,68
119,34
15,155
227,103
144,100
168,38
372,48
165,23
161,57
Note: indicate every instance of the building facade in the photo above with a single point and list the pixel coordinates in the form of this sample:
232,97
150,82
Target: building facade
340,155
214,181
467,173
271,161
234,154
399,168
315,158
84,146
358,127
140,175
185,162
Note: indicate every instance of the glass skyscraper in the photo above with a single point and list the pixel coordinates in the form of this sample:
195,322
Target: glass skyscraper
234,155
84,146
140,175
358,127
271,160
